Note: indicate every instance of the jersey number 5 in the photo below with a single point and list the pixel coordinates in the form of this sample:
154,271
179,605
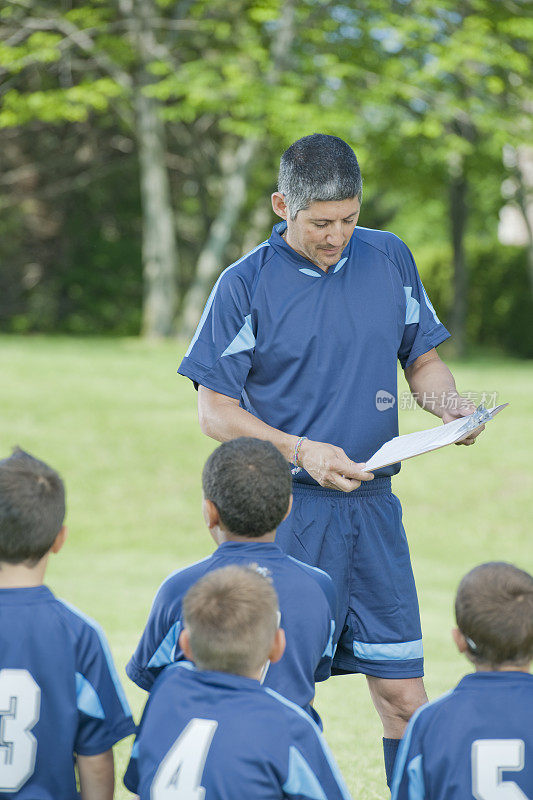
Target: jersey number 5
491,757
20,706
180,772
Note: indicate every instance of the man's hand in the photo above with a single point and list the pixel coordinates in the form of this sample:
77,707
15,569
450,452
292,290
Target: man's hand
330,466
462,408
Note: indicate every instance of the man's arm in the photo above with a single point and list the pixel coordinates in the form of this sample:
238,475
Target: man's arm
222,418
97,776
434,389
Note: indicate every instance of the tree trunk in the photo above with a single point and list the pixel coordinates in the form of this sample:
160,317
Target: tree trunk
159,249
234,186
235,172
458,212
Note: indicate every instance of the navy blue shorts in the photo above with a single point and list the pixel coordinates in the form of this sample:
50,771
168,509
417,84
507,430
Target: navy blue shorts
358,538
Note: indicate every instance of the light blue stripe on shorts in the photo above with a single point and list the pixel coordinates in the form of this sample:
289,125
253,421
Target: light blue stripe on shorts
395,651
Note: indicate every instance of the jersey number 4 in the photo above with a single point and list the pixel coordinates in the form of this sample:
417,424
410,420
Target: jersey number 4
20,705
180,773
491,757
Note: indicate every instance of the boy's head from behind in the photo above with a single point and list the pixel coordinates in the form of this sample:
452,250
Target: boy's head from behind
494,613
32,508
231,621
249,483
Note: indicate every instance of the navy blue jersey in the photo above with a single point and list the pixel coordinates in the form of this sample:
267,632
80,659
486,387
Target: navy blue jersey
314,353
59,695
307,602
231,737
474,742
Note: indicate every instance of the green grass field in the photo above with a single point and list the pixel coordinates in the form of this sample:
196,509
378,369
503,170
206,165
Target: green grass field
120,426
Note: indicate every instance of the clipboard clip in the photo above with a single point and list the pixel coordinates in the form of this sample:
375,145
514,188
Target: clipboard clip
479,417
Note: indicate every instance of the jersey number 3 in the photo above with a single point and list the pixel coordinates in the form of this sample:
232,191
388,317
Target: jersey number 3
491,757
180,773
20,705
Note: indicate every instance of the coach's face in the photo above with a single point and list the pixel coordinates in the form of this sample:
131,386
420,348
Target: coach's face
321,232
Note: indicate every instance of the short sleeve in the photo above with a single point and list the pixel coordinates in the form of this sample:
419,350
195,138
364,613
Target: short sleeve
104,716
220,354
159,641
422,328
323,670
408,779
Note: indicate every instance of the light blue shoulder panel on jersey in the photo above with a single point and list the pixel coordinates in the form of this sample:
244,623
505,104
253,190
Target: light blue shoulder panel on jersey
405,743
107,652
302,780
165,652
87,698
323,744
211,297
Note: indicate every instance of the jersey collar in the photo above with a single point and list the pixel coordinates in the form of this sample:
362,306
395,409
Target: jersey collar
25,595
225,680
265,549
301,263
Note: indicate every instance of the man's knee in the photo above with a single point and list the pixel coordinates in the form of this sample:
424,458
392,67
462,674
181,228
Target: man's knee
397,699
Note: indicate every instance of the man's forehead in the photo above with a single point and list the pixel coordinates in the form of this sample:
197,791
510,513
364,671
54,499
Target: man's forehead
333,209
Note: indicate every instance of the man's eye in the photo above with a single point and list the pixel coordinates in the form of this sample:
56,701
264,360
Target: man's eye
321,224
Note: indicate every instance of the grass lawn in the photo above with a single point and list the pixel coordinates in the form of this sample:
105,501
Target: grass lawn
120,426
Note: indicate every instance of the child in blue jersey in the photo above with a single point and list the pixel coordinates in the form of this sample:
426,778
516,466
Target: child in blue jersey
477,740
61,703
211,730
247,493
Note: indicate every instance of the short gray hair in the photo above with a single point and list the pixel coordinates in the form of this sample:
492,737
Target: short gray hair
318,168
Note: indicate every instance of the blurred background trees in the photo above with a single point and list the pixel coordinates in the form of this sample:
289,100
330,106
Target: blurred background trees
139,144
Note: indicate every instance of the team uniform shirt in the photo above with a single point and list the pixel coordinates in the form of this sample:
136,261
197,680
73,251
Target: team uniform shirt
230,737
314,353
59,695
474,742
307,602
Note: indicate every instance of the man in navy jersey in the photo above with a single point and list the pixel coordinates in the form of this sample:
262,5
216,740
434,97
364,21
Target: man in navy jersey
213,730
298,344
247,493
477,741
61,702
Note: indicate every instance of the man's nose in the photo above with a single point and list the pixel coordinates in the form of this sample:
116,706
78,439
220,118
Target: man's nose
335,235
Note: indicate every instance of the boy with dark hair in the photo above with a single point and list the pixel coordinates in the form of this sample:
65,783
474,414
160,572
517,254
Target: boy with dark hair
247,493
477,741
61,702
212,730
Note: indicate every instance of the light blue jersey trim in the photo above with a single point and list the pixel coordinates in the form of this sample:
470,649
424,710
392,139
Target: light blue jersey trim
395,651
302,780
310,272
211,298
412,307
430,306
417,789
135,749
165,652
329,647
87,699
107,653
310,566
325,749
340,265
405,744
245,339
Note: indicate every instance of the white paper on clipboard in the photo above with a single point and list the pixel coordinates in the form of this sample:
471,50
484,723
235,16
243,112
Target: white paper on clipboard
415,444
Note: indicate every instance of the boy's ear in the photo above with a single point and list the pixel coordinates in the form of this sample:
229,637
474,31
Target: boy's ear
210,512
460,641
278,646
185,644
288,509
59,541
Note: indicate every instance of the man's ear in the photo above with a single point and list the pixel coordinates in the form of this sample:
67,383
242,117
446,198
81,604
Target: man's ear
59,541
279,206
288,509
278,646
185,644
460,641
